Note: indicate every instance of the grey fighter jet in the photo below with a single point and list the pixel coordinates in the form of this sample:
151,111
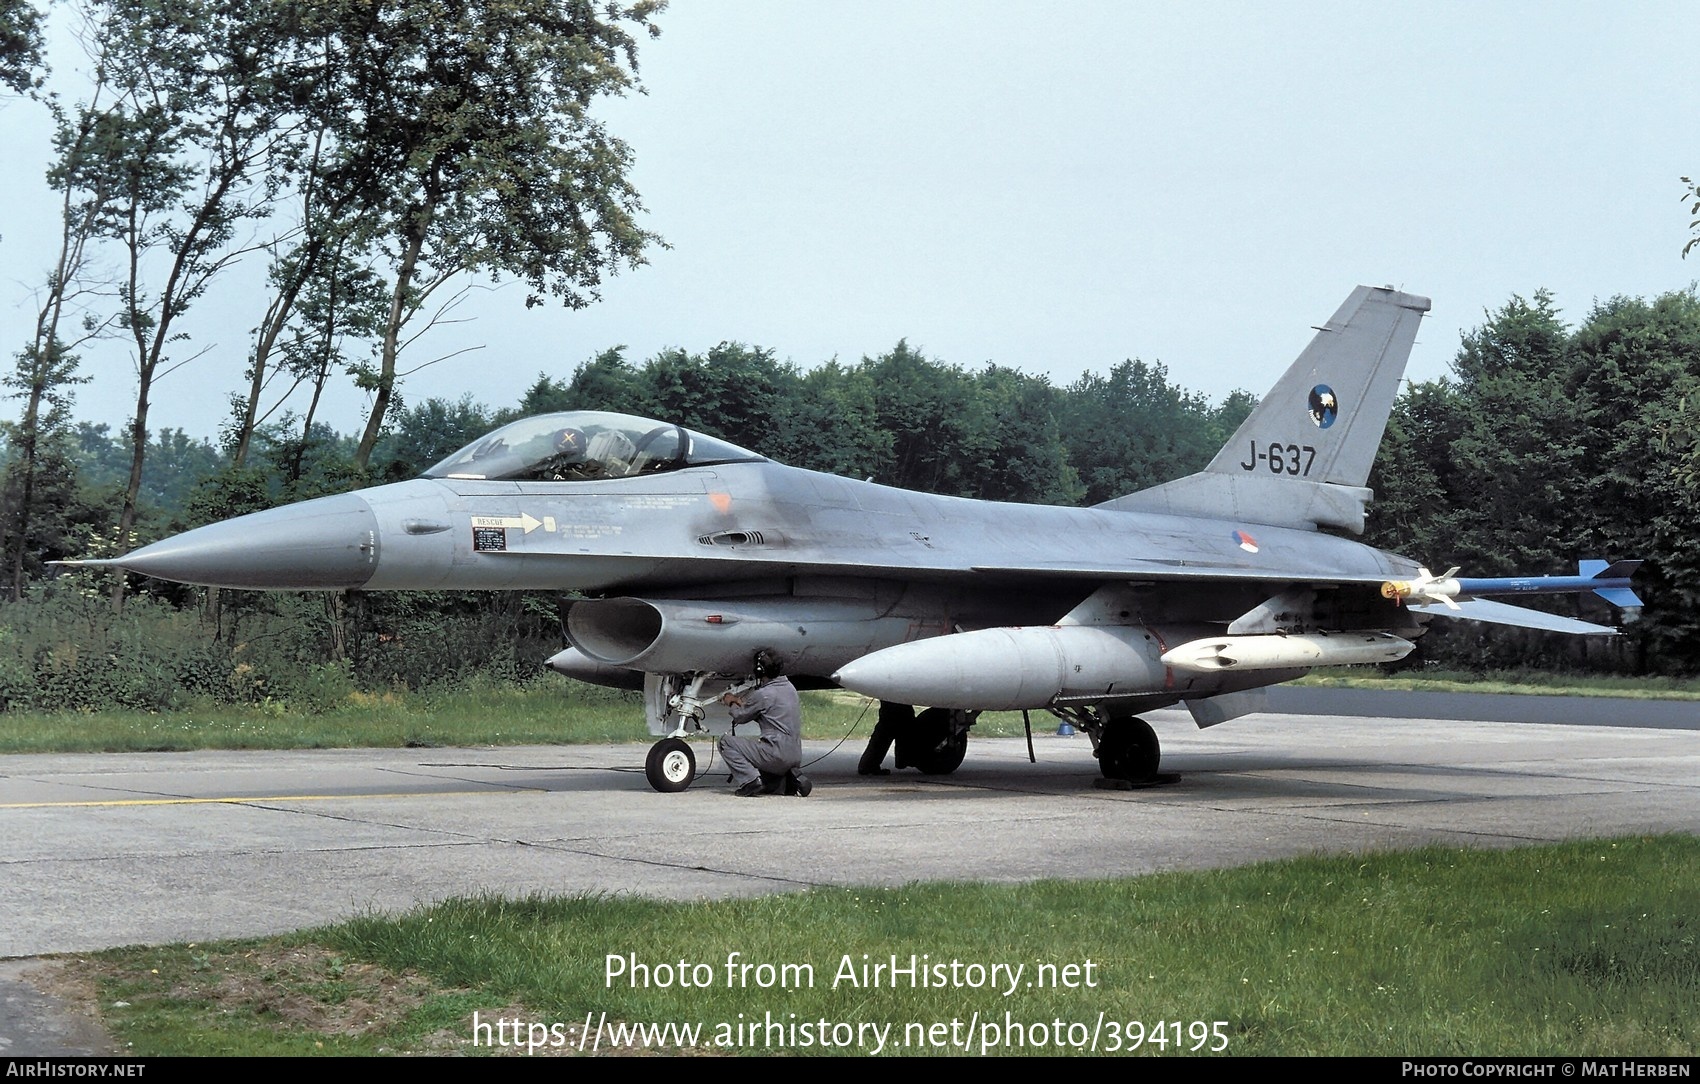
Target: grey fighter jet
695,553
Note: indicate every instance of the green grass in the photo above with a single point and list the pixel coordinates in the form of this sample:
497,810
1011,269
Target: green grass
545,712
1589,948
484,714
1508,681
550,711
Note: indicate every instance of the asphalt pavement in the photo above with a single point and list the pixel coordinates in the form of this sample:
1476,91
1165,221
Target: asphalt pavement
105,850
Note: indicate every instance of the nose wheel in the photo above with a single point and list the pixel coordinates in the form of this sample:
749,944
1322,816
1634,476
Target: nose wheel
670,766
682,703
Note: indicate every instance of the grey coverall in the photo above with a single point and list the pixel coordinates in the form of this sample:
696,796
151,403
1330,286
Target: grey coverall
774,707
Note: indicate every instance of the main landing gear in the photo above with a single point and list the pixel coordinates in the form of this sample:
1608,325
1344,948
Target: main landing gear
936,742
1127,748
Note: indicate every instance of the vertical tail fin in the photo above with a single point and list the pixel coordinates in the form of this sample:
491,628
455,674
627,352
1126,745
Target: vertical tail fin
1333,402
1302,457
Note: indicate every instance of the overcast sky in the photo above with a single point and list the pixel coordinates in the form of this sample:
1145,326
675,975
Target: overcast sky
1059,187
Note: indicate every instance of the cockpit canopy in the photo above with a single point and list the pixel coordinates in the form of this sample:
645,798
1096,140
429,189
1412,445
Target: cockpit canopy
585,445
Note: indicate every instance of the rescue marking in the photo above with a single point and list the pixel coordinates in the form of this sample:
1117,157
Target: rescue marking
524,521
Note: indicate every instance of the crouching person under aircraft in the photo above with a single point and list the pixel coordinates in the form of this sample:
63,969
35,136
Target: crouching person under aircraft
767,764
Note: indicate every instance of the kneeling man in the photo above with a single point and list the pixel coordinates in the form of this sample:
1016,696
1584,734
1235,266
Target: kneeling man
767,764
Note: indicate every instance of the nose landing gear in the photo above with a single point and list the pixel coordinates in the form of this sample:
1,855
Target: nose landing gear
671,765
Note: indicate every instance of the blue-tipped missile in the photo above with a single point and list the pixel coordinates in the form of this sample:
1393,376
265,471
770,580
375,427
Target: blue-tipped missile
1609,581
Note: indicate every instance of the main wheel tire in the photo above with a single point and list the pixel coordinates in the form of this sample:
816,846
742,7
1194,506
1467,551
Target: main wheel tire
1129,750
670,766
937,742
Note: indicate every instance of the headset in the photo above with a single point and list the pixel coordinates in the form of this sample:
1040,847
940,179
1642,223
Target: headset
767,663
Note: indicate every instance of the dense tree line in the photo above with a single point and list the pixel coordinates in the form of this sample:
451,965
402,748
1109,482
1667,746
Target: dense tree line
384,156
1548,444
899,418
379,158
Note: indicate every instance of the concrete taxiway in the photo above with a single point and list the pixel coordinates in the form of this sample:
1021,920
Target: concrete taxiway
104,850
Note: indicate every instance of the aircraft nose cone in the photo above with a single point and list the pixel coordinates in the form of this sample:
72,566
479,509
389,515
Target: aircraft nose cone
331,542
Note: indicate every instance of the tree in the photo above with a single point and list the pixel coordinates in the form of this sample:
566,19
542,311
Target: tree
468,145
1517,459
20,45
176,464
1420,498
38,444
926,410
1481,471
734,391
427,433
41,492
1636,364
1133,429
607,382
1692,198
546,396
199,103
337,300
1548,446
833,423
1015,444
1227,415
322,290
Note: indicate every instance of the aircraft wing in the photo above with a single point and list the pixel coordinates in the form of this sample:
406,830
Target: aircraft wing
1474,609
1182,570
1500,613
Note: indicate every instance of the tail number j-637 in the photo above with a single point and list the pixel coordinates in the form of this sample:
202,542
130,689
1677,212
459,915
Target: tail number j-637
1281,458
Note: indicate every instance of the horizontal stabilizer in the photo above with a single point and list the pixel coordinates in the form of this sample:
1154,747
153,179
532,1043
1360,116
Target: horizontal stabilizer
1210,710
1501,613
1254,498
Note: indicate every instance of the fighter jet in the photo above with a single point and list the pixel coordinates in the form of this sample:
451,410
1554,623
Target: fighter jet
694,553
